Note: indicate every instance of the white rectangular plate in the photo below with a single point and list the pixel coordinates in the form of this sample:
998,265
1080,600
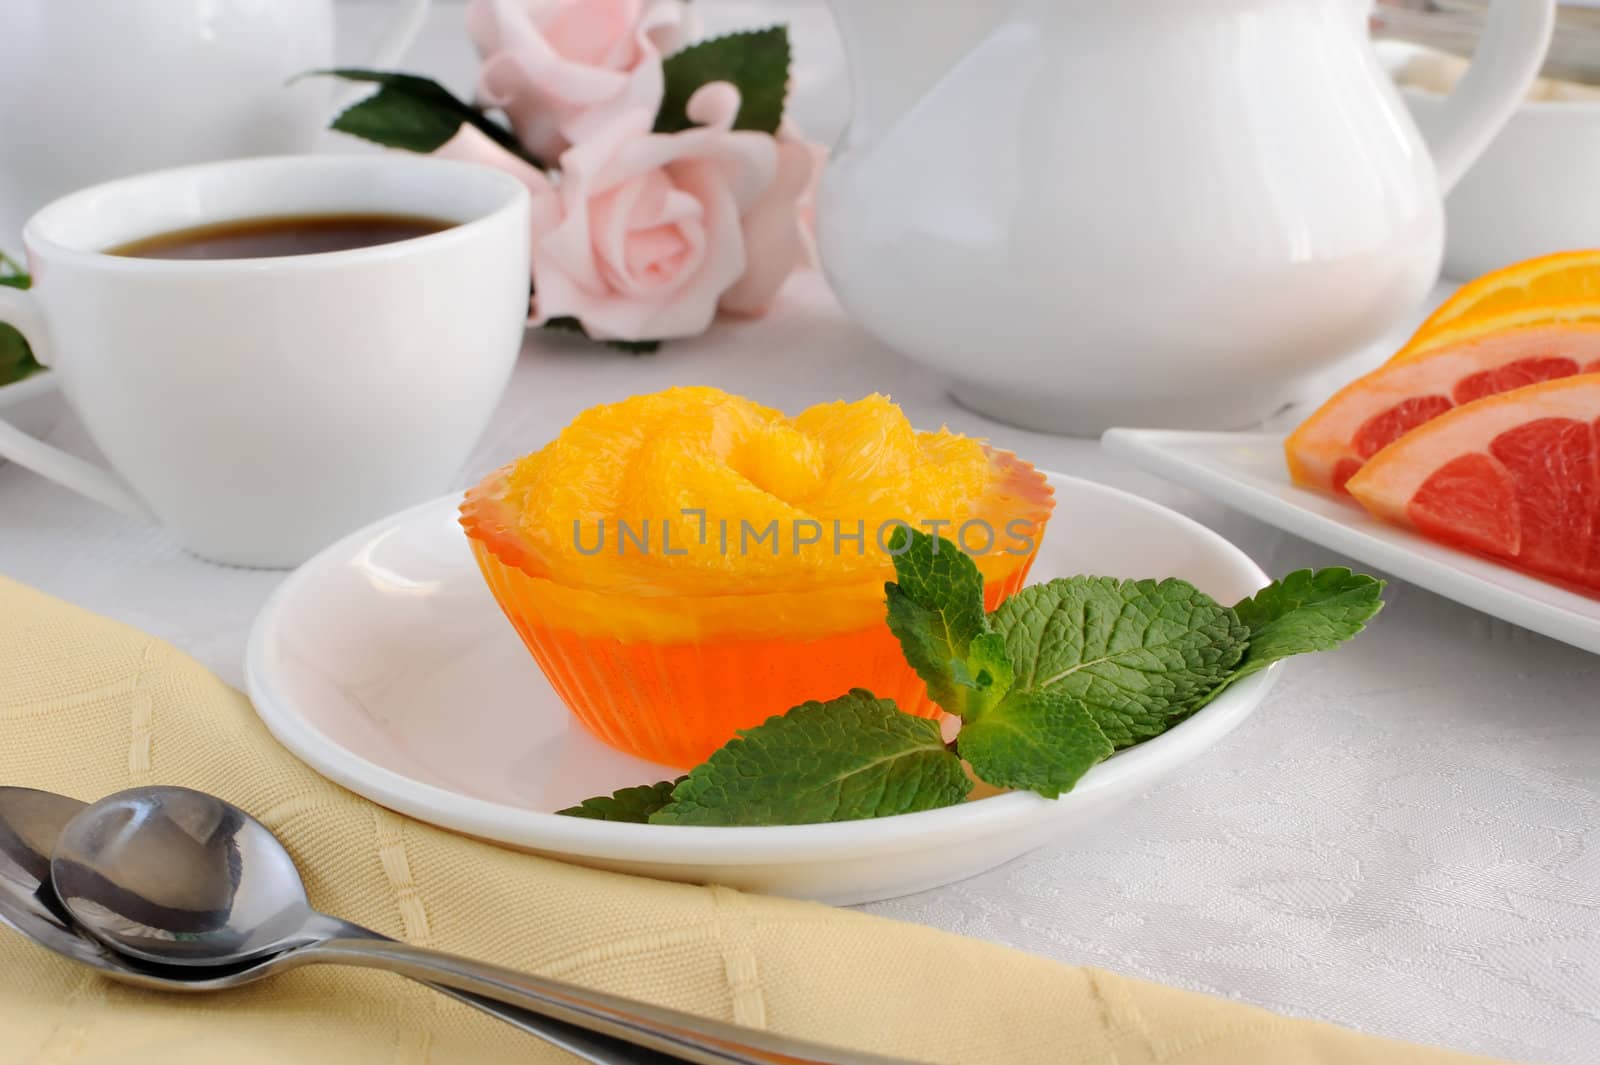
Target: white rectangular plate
1247,472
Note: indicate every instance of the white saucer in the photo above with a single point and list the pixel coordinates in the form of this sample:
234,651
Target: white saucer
385,664
1247,471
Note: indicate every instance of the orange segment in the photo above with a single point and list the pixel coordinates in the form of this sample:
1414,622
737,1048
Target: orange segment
1522,318
698,465
1376,410
1564,287
1515,476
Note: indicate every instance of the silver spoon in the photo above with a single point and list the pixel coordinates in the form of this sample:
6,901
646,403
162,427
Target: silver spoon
30,823
181,878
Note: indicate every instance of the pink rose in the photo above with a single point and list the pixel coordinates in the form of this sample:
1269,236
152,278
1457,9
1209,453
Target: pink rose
645,236
561,67
789,133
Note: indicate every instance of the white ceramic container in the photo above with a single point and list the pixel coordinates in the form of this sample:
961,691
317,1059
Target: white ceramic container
96,89
260,408
1532,193
1145,212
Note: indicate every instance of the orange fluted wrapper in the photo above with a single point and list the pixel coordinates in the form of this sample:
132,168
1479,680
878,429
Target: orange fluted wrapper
672,678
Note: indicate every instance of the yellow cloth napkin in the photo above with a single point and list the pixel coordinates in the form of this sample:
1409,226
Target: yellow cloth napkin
89,706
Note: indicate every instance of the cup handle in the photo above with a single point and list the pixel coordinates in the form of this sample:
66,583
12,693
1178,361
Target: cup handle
21,311
1515,38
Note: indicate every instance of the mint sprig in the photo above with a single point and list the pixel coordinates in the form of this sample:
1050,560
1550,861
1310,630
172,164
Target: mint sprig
936,612
1051,683
1043,741
1135,653
850,758
630,805
1305,612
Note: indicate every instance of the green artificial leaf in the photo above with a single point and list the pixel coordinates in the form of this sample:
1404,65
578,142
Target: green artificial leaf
1304,612
16,358
756,63
1043,741
12,273
631,805
936,612
850,758
414,113
1137,654
630,347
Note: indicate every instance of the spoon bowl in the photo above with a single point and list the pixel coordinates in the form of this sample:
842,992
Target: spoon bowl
184,879
178,877
30,822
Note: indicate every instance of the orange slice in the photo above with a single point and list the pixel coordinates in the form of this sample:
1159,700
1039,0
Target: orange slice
1564,287
1522,318
1374,411
1515,476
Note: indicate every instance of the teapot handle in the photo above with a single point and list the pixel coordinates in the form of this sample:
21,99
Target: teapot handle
400,35
1515,38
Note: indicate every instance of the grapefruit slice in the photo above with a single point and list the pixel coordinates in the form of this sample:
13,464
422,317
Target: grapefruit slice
1560,287
1374,411
1515,476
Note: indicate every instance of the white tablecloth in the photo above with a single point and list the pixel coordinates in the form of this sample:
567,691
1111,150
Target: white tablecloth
1405,838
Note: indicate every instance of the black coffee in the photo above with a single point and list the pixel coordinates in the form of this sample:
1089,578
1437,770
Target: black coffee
265,238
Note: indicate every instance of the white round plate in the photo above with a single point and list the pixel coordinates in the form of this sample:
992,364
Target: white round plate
385,664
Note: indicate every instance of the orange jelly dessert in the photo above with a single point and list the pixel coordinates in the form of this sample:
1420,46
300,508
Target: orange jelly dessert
689,563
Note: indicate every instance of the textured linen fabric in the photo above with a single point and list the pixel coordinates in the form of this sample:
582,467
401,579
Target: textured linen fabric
89,706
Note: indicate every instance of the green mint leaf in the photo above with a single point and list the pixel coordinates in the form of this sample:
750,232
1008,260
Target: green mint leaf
1137,654
630,347
414,113
850,758
1043,741
987,669
1304,612
936,612
631,805
756,63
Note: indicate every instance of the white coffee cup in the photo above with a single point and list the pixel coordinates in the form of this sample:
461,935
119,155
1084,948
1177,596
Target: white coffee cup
259,408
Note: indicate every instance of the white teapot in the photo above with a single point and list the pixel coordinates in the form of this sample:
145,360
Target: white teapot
96,89
1143,212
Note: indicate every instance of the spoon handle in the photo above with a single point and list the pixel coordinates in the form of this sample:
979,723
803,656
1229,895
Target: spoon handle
595,1048
680,1035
